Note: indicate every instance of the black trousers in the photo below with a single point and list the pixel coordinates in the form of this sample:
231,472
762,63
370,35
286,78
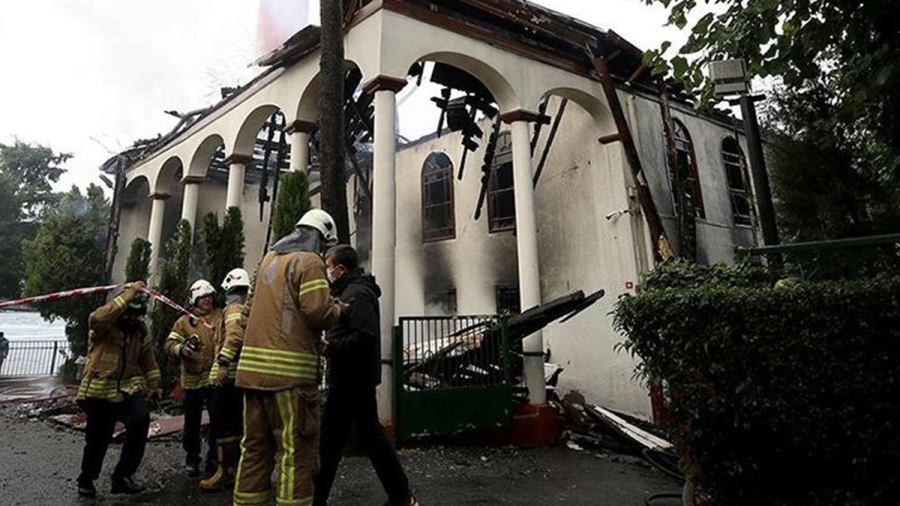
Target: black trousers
227,417
194,400
344,406
101,423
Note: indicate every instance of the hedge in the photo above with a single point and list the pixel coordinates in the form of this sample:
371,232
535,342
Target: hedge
775,396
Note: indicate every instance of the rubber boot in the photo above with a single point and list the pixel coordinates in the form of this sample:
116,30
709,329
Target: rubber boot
215,481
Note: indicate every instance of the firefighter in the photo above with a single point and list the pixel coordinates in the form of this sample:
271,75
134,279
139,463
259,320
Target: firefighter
280,367
120,373
226,422
193,342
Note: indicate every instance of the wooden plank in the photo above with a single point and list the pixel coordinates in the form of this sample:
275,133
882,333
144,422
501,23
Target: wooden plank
662,249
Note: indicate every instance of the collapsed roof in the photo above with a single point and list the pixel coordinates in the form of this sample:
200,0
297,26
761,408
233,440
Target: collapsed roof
518,26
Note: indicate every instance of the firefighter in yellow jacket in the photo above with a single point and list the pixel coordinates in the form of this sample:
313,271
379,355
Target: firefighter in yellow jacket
193,341
280,366
119,372
226,419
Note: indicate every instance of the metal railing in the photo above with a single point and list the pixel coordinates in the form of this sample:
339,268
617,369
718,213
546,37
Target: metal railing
452,375
453,352
835,259
33,358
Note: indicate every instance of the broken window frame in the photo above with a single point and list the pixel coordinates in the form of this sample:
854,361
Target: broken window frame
735,165
502,162
438,169
684,147
508,298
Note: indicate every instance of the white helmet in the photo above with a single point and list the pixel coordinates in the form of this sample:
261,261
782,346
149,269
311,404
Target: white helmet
323,222
201,288
237,278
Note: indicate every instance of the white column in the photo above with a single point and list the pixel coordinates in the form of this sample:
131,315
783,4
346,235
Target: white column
527,245
300,151
189,204
154,234
235,184
384,233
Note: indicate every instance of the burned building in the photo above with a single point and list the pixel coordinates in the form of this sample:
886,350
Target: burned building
559,164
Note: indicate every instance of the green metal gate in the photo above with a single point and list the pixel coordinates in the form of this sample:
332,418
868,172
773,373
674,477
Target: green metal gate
452,375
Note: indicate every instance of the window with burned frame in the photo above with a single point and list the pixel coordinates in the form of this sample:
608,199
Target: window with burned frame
501,192
738,181
438,221
687,165
508,299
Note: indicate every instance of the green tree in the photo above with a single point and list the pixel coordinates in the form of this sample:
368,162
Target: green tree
26,174
138,266
291,204
33,168
827,179
850,47
174,277
223,245
67,252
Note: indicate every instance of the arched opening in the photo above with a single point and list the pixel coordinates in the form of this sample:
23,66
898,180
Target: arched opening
358,114
134,221
449,128
168,186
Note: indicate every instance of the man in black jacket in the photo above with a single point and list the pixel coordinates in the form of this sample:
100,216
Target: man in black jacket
354,370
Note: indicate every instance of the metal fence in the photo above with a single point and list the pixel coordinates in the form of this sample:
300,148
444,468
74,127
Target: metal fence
836,259
452,375
33,358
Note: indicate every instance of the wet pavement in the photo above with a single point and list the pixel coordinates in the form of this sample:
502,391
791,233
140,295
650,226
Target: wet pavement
39,461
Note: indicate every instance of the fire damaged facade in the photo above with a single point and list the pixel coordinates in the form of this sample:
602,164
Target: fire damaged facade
559,164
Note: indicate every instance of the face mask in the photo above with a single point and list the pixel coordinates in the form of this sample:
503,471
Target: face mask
331,277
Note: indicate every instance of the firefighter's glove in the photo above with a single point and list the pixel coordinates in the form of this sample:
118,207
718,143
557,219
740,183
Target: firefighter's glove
220,374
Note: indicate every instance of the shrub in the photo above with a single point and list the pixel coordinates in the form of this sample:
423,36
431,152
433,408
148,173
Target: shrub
223,246
292,202
787,396
137,268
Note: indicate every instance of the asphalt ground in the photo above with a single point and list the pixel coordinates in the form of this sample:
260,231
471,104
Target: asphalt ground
39,462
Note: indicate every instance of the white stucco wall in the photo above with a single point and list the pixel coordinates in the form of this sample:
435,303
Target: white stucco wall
474,263
716,234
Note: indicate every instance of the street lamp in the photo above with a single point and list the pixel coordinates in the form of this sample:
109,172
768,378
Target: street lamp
729,80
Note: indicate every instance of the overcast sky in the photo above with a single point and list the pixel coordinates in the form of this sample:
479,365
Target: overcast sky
89,77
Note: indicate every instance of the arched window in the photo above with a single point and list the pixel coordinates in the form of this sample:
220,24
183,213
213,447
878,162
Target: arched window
501,193
738,181
687,166
438,222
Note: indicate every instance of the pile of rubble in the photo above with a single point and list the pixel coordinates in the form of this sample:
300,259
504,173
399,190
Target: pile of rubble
586,426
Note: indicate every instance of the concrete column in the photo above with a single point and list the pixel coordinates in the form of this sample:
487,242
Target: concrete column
300,131
235,185
300,152
384,223
237,168
191,199
154,234
527,246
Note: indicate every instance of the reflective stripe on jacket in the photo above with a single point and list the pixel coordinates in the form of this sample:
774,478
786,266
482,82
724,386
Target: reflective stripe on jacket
118,363
289,308
229,338
195,369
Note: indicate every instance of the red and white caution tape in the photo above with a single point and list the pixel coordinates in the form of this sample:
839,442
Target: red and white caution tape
172,304
59,295
79,292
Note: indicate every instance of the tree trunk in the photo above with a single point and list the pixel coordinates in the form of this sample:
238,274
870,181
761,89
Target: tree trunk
331,116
